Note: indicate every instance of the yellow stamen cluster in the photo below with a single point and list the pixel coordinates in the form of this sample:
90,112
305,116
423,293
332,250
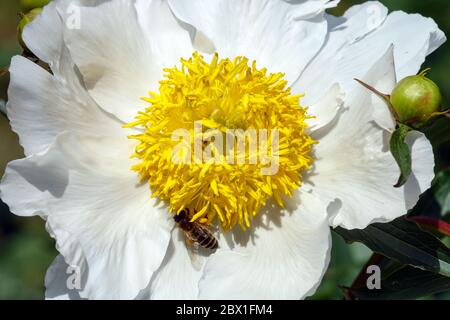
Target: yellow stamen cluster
222,94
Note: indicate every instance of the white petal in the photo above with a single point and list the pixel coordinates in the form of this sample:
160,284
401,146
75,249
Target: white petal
118,61
41,105
66,281
360,38
93,201
280,35
178,276
169,41
44,36
325,111
422,167
355,170
57,279
283,256
384,80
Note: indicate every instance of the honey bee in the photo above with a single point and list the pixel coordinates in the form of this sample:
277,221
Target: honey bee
196,232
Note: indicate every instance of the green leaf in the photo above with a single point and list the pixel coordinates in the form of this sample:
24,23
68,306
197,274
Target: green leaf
401,152
439,132
426,206
405,242
435,202
346,261
439,136
441,191
376,259
406,283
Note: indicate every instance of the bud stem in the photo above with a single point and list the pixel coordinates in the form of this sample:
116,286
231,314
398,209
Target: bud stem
442,113
414,121
4,71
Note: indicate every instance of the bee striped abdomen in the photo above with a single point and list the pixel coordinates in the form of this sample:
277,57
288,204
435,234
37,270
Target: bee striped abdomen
196,232
203,237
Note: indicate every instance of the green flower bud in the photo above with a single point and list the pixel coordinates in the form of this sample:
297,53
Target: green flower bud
26,19
416,98
31,4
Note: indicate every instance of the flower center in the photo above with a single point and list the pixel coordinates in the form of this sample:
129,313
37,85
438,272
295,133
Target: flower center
221,138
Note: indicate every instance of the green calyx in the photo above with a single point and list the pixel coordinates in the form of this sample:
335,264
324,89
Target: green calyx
32,4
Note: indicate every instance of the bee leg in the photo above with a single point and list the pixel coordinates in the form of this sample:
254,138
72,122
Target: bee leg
189,242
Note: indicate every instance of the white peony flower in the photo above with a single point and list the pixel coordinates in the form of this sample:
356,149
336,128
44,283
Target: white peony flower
334,158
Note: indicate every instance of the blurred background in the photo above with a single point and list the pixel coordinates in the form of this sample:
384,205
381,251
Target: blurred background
26,250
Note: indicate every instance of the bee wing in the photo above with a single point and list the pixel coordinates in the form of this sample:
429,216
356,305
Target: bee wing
193,250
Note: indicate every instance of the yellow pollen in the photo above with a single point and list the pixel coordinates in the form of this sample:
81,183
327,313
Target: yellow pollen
222,95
